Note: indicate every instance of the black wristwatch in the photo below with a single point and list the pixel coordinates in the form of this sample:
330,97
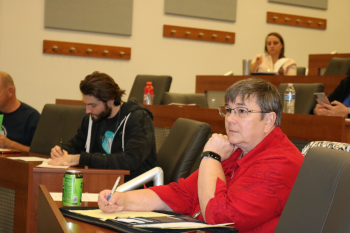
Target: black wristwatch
211,155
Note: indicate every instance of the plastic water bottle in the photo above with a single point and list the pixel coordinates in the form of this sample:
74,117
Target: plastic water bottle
148,94
289,99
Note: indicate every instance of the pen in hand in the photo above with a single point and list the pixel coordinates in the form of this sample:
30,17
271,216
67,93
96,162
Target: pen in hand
61,145
113,189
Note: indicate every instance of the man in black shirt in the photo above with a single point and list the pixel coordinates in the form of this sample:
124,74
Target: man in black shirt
19,121
114,134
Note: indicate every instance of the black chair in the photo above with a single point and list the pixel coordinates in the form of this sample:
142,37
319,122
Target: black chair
199,99
301,71
319,201
181,148
160,83
338,66
56,122
304,95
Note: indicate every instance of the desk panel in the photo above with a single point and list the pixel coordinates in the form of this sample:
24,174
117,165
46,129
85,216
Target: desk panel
221,83
318,61
25,179
296,126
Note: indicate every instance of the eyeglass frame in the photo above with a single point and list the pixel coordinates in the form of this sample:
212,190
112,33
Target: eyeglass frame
236,113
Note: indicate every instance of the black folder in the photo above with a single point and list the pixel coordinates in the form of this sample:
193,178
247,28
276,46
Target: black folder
128,228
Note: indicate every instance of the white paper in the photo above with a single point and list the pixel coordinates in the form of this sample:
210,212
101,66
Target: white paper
181,225
28,159
45,164
279,64
97,213
88,197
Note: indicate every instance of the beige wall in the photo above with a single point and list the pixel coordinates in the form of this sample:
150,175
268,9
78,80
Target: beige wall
41,78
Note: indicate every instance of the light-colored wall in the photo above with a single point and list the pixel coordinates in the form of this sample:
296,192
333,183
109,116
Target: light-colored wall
41,78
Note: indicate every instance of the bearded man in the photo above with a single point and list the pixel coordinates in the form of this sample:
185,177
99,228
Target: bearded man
113,135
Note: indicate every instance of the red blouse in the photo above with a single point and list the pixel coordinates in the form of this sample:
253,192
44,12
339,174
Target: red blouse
253,197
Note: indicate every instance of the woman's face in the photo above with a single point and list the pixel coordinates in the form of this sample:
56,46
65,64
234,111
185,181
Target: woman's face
273,45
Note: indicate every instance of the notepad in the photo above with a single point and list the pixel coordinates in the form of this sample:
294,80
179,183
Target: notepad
97,213
181,225
279,64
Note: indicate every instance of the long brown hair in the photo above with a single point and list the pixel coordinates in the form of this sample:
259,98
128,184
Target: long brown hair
102,87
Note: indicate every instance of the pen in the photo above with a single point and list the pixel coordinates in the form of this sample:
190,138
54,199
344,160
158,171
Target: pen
113,189
61,144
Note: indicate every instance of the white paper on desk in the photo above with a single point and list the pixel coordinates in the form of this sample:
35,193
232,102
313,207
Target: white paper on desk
181,225
97,213
28,159
279,64
45,164
89,197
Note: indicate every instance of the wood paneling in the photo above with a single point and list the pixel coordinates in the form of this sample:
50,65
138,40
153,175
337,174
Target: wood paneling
198,34
25,178
296,126
318,61
221,83
86,50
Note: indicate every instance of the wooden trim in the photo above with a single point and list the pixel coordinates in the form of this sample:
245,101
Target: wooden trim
86,50
296,20
198,34
318,61
51,213
221,83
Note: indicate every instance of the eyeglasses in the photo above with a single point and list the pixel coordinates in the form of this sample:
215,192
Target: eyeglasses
242,112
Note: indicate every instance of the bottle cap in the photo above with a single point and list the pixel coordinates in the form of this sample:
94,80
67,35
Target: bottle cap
149,83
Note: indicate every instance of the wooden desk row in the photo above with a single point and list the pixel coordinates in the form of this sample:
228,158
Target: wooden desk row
296,126
24,178
221,83
318,61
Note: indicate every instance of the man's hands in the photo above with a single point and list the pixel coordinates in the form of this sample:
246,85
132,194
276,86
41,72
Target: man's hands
220,145
60,157
336,109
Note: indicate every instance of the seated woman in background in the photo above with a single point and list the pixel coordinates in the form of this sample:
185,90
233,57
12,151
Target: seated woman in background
274,51
339,99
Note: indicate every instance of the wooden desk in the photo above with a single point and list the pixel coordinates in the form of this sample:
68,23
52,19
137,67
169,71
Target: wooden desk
24,178
296,126
318,61
221,83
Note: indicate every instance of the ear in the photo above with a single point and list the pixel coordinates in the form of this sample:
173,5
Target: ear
270,119
110,103
11,90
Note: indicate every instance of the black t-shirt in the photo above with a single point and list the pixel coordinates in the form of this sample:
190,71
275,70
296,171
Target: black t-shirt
106,134
20,125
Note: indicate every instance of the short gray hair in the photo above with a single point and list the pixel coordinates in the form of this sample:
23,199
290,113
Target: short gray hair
267,96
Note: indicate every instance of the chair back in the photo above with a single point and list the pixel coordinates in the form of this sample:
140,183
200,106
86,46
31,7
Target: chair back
199,99
319,201
331,145
181,148
338,66
304,95
301,71
215,98
56,122
160,83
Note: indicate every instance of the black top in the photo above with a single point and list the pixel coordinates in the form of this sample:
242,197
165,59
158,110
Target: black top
20,125
139,153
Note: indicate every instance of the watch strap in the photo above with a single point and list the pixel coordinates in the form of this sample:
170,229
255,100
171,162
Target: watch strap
211,155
